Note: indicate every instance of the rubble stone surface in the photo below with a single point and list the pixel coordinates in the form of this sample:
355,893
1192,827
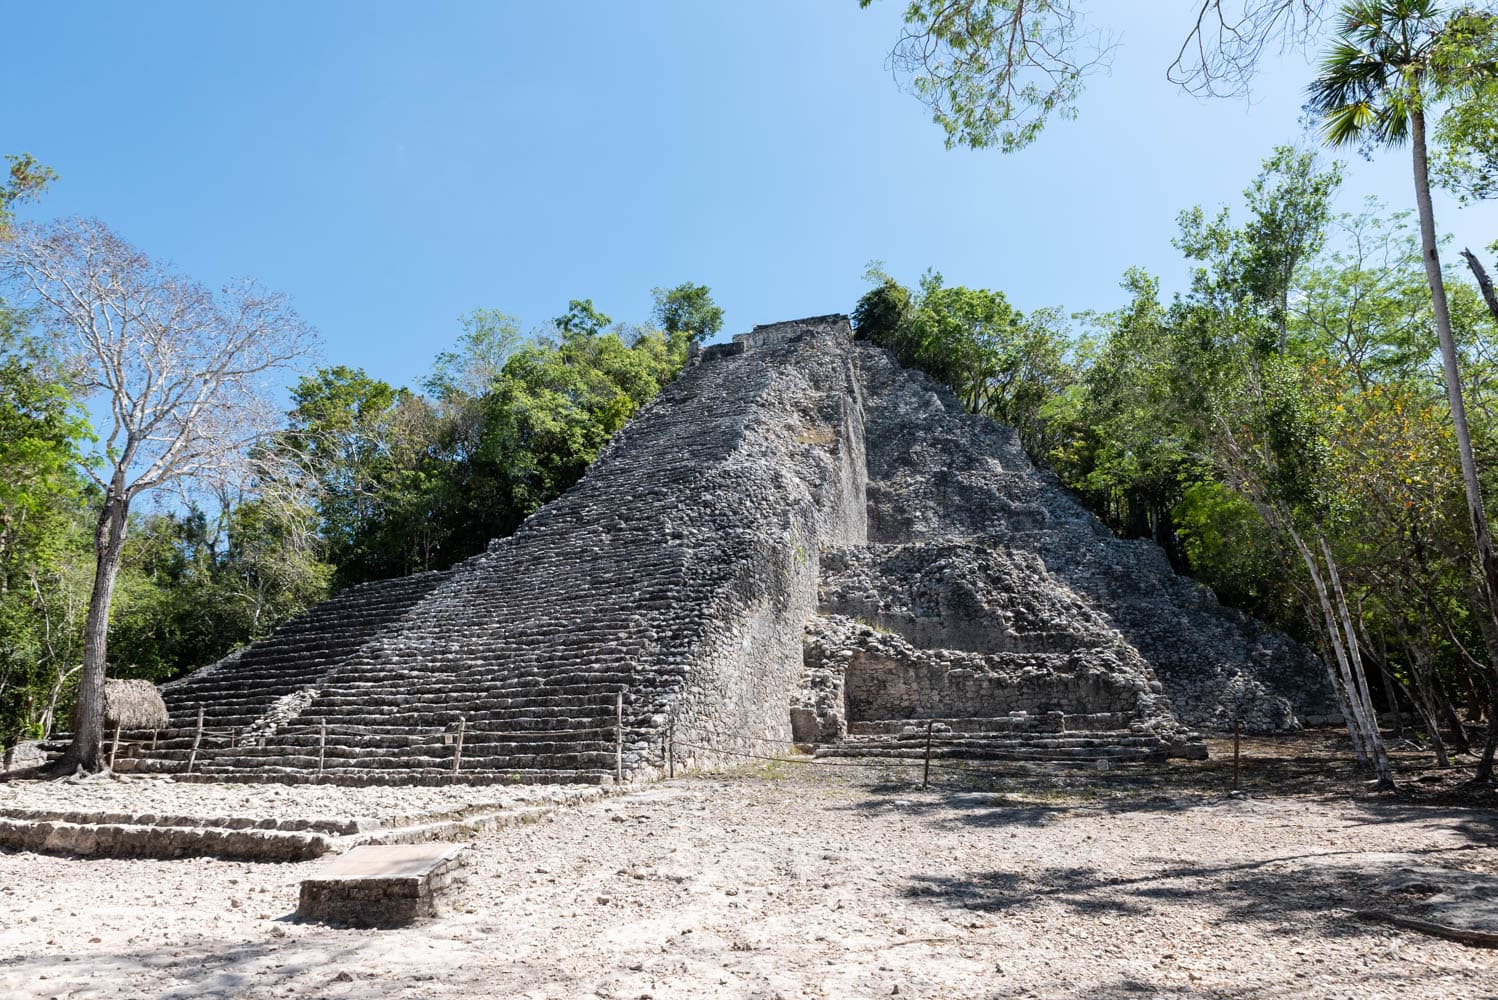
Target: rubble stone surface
796,539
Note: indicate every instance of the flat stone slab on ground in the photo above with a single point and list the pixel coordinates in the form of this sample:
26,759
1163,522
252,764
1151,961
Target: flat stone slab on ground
382,885
379,861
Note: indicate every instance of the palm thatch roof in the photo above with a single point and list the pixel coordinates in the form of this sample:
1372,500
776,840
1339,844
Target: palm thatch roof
133,705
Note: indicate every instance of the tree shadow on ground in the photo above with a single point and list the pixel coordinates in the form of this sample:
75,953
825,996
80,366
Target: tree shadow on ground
1479,826
1386,984
1290,889
1317,764
197,970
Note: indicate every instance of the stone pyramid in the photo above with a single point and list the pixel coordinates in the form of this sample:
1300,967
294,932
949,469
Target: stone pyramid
796,539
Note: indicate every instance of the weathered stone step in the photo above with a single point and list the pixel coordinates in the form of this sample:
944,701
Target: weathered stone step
1024,723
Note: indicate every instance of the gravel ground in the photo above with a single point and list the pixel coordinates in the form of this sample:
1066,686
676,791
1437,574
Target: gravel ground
791,882
386,805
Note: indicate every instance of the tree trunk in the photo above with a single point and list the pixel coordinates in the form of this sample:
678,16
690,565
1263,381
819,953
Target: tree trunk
1424,700
109,543
1483,281
1475,509
1381,767
1341,678
1453,721
1392,696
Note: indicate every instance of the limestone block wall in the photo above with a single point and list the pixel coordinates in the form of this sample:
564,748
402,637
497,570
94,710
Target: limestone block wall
886,678
802,457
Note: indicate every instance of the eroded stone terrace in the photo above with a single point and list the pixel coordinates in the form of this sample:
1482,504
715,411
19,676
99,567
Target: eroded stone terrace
796,527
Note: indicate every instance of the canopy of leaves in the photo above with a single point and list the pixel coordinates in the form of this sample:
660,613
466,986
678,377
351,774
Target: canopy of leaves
998,361
687,309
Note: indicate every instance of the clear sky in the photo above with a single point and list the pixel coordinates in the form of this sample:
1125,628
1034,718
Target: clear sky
393,166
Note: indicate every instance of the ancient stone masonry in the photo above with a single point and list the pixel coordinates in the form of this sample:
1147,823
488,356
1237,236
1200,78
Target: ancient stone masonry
795,533
938,473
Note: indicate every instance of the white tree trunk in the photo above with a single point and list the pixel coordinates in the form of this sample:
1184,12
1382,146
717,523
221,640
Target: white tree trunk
1341,678
1470,482
1381,768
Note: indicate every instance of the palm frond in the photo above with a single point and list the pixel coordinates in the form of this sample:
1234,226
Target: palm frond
1346,124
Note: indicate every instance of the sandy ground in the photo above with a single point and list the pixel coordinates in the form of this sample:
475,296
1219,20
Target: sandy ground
789,882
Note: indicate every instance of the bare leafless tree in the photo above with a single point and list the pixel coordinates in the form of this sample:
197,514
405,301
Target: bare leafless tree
992,72
1221,52
180,379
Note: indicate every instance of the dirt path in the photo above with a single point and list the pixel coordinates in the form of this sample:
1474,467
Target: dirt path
795,884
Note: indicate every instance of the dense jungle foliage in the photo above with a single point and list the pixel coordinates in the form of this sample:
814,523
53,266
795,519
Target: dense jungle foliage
1297,383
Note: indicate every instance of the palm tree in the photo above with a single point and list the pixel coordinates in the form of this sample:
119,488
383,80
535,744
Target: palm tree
1376,83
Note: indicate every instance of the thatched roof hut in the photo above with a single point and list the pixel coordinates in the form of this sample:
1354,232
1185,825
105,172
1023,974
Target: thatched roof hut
133,705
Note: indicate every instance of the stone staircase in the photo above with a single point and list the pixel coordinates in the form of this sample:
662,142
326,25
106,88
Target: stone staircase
669,584
241,690
796,538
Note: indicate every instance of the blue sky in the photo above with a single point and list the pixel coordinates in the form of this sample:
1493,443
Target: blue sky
392,166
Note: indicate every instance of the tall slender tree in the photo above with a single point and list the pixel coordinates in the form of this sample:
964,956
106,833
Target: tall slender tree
1378,83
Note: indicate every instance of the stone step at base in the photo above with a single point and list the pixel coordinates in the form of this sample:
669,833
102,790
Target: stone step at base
409,776
125,840
383,885
1049,722
1061,746
1081,754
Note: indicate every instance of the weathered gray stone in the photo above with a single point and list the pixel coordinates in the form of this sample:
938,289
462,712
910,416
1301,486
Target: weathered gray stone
797,538
383,886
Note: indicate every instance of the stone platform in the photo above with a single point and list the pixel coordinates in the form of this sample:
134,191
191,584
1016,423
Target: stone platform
158,817
383,886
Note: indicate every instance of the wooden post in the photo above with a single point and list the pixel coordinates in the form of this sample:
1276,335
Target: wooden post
458,747
233,737
671,748
926,774
154,733
1235,754
619,739
196,740
322,746
115,747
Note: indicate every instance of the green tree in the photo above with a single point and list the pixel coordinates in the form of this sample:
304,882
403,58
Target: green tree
582,319
41,493
556,406
367,448
1465,159
883,311
998,361
1378,83
992,72
687,309
1289,209
26,179
488,339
